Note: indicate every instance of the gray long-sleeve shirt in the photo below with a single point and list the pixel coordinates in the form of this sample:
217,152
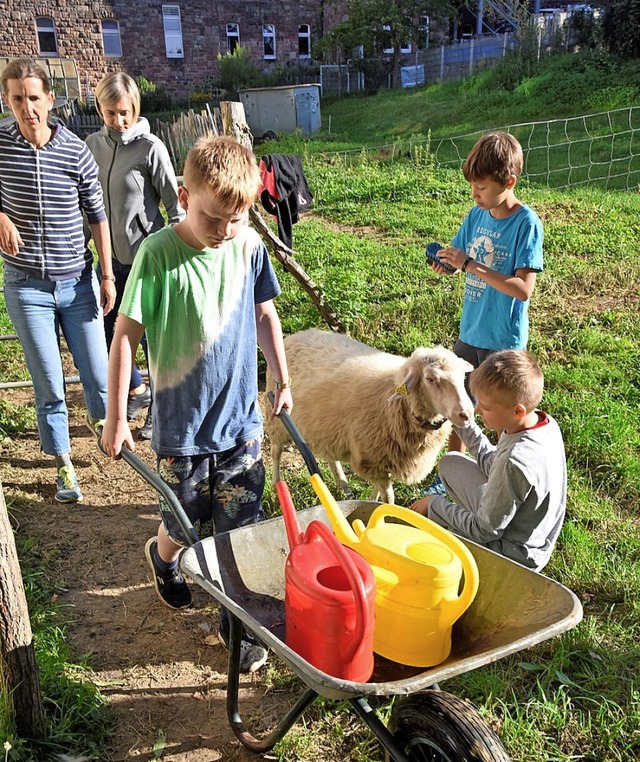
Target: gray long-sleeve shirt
523,506
136,175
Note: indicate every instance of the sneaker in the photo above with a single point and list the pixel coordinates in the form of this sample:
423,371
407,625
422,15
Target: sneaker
95,426
146,430
253,654
137,402
435,488
172,590
67,488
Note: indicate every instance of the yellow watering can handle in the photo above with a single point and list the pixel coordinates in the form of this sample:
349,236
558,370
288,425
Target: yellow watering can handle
471,577
337,519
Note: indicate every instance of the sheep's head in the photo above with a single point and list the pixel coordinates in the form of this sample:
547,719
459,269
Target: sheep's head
432,380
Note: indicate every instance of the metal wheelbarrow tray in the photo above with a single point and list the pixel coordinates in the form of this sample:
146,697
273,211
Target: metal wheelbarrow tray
243,569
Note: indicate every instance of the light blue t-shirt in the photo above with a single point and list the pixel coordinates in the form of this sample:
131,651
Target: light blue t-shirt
198,308
491,319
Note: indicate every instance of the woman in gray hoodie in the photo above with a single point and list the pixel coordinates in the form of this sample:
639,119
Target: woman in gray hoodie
137,176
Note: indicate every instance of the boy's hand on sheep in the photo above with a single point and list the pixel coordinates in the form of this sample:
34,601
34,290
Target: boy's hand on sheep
282,399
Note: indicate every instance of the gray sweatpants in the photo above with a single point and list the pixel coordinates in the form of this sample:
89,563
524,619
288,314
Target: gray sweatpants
464,481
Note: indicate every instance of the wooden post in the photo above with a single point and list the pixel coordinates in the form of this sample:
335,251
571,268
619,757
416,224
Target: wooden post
18,662
234,123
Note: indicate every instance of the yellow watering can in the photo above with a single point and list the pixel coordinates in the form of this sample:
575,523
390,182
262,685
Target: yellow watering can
418,568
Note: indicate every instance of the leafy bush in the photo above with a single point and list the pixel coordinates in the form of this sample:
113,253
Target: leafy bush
236,70
152,97
15,419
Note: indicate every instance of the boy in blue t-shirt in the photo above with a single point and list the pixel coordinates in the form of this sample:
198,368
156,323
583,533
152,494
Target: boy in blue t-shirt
499,249
203,290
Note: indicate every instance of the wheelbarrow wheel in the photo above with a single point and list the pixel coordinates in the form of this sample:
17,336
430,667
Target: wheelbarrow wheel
434,726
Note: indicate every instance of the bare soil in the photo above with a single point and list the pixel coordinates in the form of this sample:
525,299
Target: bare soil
163,672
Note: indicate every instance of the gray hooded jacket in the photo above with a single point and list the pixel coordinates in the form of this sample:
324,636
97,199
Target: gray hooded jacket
136,175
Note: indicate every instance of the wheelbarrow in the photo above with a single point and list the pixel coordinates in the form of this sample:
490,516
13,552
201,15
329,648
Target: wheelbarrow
243,570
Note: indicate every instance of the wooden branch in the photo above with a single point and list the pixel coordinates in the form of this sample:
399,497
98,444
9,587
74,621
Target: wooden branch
285,256
20,671
234,122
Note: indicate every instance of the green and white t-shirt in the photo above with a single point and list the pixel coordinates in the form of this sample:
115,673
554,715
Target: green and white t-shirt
198,308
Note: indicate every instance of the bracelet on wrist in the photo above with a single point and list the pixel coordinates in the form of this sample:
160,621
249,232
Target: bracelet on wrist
108,277
283,384
465,265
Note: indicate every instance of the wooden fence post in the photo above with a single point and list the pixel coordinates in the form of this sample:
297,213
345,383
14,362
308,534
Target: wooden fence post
235,124
21,675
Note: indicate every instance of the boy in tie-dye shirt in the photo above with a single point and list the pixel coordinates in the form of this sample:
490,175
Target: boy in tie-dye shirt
203,291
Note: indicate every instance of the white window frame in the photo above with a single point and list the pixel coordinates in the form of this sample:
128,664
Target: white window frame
46,29
304,35
403,48
111,38
269,35
172,24
233,34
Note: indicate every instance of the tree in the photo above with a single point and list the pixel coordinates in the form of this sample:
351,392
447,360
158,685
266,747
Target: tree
621,27
374,27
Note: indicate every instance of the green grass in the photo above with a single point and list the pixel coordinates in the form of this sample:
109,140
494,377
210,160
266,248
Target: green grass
76,715
576,696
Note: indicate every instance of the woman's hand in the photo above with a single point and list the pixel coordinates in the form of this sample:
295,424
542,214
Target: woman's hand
10,240
107,295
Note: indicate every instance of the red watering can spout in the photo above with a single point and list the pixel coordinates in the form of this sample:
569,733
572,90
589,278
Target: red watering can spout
289,514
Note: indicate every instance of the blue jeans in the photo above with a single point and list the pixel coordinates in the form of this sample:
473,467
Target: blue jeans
39,310
121,274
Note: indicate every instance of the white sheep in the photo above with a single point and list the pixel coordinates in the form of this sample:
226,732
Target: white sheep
387,416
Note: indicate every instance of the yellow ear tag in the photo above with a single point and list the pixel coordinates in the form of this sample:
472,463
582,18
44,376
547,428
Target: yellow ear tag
402,389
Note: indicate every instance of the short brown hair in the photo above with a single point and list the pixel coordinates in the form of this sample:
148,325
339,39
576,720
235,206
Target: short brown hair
225,168
116,85
511,376
497,155
23,68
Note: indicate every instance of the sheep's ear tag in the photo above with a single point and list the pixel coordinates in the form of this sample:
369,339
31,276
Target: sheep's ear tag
402,389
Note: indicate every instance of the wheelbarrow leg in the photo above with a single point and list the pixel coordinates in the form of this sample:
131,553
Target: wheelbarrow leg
233,689
378,728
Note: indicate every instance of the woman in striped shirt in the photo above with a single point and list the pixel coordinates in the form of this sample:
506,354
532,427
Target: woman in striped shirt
48,178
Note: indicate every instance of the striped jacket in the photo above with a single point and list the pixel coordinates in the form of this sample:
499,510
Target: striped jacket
44,192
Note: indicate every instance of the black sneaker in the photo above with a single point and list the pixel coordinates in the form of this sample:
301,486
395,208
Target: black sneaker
253,654
136,403
172,590
146,430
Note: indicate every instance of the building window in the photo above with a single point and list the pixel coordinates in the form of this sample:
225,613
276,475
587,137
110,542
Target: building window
269,40
172,31
304,41
111,38
405,47
233,36
47,41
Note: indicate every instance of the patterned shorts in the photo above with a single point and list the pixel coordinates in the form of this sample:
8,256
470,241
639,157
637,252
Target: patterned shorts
222,488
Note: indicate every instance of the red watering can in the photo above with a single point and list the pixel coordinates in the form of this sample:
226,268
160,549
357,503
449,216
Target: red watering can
329,599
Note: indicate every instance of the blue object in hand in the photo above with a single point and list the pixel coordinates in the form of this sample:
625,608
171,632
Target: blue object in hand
432,256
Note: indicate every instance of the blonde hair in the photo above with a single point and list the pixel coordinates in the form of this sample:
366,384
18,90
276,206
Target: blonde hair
114,86
497,155
511,376
25,68
225,168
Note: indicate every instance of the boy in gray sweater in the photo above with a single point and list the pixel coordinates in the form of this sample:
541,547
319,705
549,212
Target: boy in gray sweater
510,497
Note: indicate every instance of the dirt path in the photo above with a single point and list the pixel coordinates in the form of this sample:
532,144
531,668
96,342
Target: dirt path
163,672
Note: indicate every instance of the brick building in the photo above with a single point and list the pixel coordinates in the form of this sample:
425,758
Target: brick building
174,44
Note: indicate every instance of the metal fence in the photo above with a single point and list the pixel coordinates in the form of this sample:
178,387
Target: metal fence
425,66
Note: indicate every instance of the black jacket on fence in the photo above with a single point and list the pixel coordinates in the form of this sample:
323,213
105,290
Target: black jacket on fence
285,192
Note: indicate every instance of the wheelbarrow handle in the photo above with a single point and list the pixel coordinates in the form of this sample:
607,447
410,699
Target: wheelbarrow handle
162,488
299,442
